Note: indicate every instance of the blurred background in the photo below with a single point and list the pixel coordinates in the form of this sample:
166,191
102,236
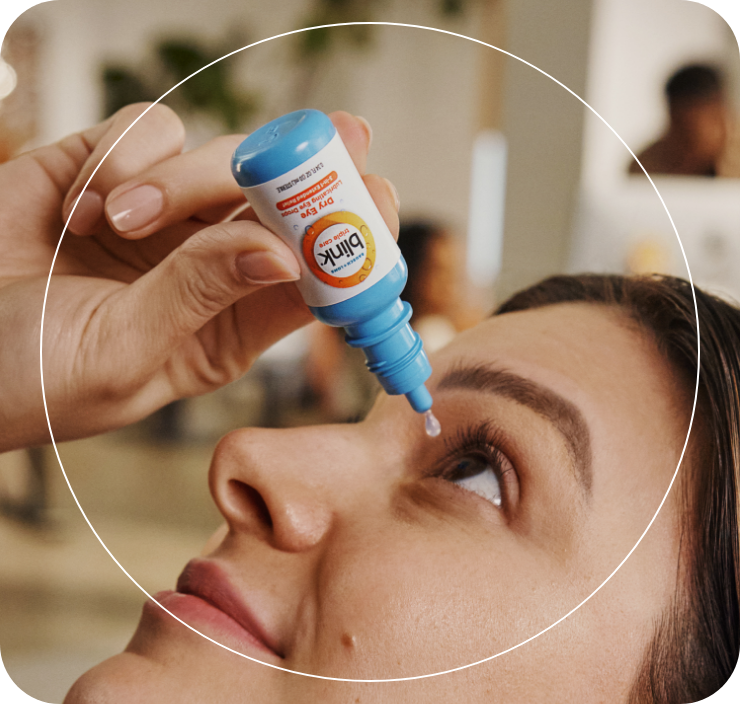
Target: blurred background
504,177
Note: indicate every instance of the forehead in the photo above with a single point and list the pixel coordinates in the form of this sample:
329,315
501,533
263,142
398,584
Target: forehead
571,344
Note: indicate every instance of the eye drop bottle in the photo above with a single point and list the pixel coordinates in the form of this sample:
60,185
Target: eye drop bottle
301,182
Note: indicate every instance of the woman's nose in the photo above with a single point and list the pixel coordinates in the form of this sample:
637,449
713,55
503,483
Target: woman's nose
280,485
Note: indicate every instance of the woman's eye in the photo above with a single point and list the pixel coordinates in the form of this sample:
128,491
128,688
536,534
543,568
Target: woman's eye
476,474
475,463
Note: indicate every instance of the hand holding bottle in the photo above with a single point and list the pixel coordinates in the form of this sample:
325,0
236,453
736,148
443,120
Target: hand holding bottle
159,290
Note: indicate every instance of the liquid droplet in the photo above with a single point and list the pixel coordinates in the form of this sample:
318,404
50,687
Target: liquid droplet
431,424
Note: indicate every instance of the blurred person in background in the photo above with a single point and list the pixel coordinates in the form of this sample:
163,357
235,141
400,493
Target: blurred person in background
702,138
436,287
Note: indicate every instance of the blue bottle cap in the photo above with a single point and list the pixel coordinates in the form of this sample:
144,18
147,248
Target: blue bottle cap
281,145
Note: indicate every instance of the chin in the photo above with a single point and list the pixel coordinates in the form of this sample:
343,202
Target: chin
166,663
122,678
129,678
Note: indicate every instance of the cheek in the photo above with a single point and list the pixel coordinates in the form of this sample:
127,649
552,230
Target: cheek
411,607
441,619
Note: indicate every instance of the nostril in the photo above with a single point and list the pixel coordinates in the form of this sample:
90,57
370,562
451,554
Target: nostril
247,500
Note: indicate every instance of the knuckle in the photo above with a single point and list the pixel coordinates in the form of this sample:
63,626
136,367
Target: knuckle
205,286
215,370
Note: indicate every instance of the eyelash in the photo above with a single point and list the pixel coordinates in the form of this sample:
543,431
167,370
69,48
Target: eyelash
481,441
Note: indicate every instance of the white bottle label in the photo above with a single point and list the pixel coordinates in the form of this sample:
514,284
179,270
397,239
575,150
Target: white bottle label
323,212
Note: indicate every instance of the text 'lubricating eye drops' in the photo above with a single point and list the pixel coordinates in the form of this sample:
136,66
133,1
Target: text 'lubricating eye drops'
301,182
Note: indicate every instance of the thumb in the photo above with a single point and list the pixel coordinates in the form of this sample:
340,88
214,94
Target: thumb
205,275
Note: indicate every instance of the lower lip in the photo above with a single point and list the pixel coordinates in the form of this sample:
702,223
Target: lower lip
206,618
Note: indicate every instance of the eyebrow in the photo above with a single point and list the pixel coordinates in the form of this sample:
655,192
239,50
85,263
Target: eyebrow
558,411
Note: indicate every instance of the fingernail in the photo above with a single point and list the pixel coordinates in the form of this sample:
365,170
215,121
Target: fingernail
394,190
368,129
135,209
86,214
266,268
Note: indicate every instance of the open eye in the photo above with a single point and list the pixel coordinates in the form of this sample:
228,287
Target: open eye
475,463
477,475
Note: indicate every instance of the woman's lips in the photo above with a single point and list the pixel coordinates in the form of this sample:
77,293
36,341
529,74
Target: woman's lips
204,596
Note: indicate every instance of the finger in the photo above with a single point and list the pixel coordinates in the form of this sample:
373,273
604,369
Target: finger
356,134
158,135
384,193
197,182
208,273
381,190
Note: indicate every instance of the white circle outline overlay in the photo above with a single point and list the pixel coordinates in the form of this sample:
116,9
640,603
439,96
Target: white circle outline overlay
693,409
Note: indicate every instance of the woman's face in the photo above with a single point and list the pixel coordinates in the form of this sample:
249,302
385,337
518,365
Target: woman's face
373,551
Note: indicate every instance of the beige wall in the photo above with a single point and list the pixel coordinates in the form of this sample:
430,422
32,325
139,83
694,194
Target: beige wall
543,125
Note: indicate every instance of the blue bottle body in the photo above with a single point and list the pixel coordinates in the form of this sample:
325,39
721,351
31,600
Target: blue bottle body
375,319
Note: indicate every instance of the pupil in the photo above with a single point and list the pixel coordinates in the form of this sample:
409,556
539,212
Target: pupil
469,467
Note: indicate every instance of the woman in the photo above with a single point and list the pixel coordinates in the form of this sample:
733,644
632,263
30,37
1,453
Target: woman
370,551
564,419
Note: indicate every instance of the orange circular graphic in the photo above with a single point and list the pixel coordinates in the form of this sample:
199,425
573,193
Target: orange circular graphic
340,249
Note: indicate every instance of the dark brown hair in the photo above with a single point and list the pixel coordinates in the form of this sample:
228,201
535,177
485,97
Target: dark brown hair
694,83
416,239
695,645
